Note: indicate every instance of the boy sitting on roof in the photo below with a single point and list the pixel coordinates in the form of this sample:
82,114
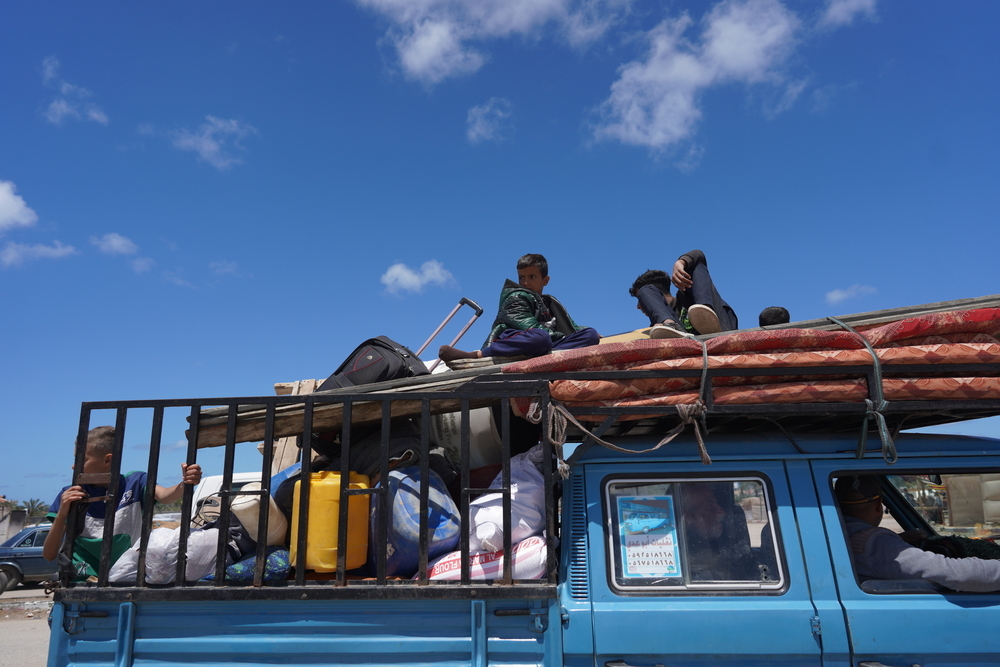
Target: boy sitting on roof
697,308
528,323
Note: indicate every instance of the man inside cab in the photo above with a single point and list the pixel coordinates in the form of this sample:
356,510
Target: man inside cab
879,553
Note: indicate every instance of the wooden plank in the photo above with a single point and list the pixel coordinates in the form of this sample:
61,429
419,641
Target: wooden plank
421,383
250,426
286,449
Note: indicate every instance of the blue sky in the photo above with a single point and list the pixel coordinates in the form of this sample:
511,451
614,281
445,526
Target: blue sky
205,199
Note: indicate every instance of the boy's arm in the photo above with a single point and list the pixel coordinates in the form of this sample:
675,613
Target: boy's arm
190,474
683,267
54,540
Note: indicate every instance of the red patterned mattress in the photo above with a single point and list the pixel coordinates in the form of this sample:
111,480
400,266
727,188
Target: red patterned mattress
954,337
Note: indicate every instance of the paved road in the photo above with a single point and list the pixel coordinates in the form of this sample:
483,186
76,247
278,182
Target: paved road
24,628
24,643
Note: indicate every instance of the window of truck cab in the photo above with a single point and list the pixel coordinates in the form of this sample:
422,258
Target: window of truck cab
692,535
953,513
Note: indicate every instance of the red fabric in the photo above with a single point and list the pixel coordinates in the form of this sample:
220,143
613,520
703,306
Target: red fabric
983,320
952,337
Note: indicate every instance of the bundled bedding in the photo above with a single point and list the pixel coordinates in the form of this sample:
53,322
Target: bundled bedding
954,337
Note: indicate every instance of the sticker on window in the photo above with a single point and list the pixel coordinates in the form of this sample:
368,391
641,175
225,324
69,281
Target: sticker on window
648,536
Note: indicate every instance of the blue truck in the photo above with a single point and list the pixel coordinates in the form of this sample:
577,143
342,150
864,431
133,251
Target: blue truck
631,578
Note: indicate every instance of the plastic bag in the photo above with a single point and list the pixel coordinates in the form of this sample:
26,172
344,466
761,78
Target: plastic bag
202,547
530,557
527,506
161,557
126,567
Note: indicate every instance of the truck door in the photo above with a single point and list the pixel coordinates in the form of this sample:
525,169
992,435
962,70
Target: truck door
698,569
914,622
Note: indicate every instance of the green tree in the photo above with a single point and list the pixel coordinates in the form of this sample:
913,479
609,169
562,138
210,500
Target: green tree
35,508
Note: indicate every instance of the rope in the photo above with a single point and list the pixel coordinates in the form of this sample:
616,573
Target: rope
704,389
557,418
876,406
889,454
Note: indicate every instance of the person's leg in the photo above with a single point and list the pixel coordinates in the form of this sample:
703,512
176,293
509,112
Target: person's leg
663,317
518,343
703,293
585,337
653,306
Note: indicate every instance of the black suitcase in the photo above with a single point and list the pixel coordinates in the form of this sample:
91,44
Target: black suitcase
375,360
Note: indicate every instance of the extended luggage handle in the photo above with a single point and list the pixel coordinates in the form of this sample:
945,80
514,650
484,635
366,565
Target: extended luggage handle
462,302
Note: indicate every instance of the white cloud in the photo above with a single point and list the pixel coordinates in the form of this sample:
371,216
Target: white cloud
434,38
843,12
50,70
784,101
223,267
215,141
490,121
143,264
72,101
14,212
655,101
15,254
400,277
58,110
114,244
176,277
95,114
834,297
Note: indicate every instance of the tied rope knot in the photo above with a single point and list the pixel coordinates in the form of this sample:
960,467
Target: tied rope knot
876,406
557,417
889,453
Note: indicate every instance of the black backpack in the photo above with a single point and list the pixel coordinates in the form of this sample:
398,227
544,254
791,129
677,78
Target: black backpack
375,360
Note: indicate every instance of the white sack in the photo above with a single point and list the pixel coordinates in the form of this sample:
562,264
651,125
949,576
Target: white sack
527,506
161,557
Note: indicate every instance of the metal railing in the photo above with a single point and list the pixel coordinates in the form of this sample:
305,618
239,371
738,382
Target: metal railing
304,584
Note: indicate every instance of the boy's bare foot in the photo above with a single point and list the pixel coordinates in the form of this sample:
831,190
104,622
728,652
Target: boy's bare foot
448,353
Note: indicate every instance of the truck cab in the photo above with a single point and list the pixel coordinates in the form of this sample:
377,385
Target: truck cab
777,585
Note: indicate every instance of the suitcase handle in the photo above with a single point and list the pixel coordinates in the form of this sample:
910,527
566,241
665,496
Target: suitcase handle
462,302
471,304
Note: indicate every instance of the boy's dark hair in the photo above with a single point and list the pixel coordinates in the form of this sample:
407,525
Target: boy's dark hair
651,277
534,259
101,440
773,315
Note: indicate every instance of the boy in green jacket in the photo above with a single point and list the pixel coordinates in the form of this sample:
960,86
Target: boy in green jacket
528,323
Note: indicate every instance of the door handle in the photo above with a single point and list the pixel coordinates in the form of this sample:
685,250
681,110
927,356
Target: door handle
876,663
622,663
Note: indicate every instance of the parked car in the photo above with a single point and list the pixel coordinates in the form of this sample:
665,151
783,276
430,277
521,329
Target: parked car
21,560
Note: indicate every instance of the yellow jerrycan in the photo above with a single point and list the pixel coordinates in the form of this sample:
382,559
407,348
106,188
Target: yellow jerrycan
324,519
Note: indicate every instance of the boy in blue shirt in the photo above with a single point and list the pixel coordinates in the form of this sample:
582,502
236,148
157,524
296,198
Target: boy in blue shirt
128,516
